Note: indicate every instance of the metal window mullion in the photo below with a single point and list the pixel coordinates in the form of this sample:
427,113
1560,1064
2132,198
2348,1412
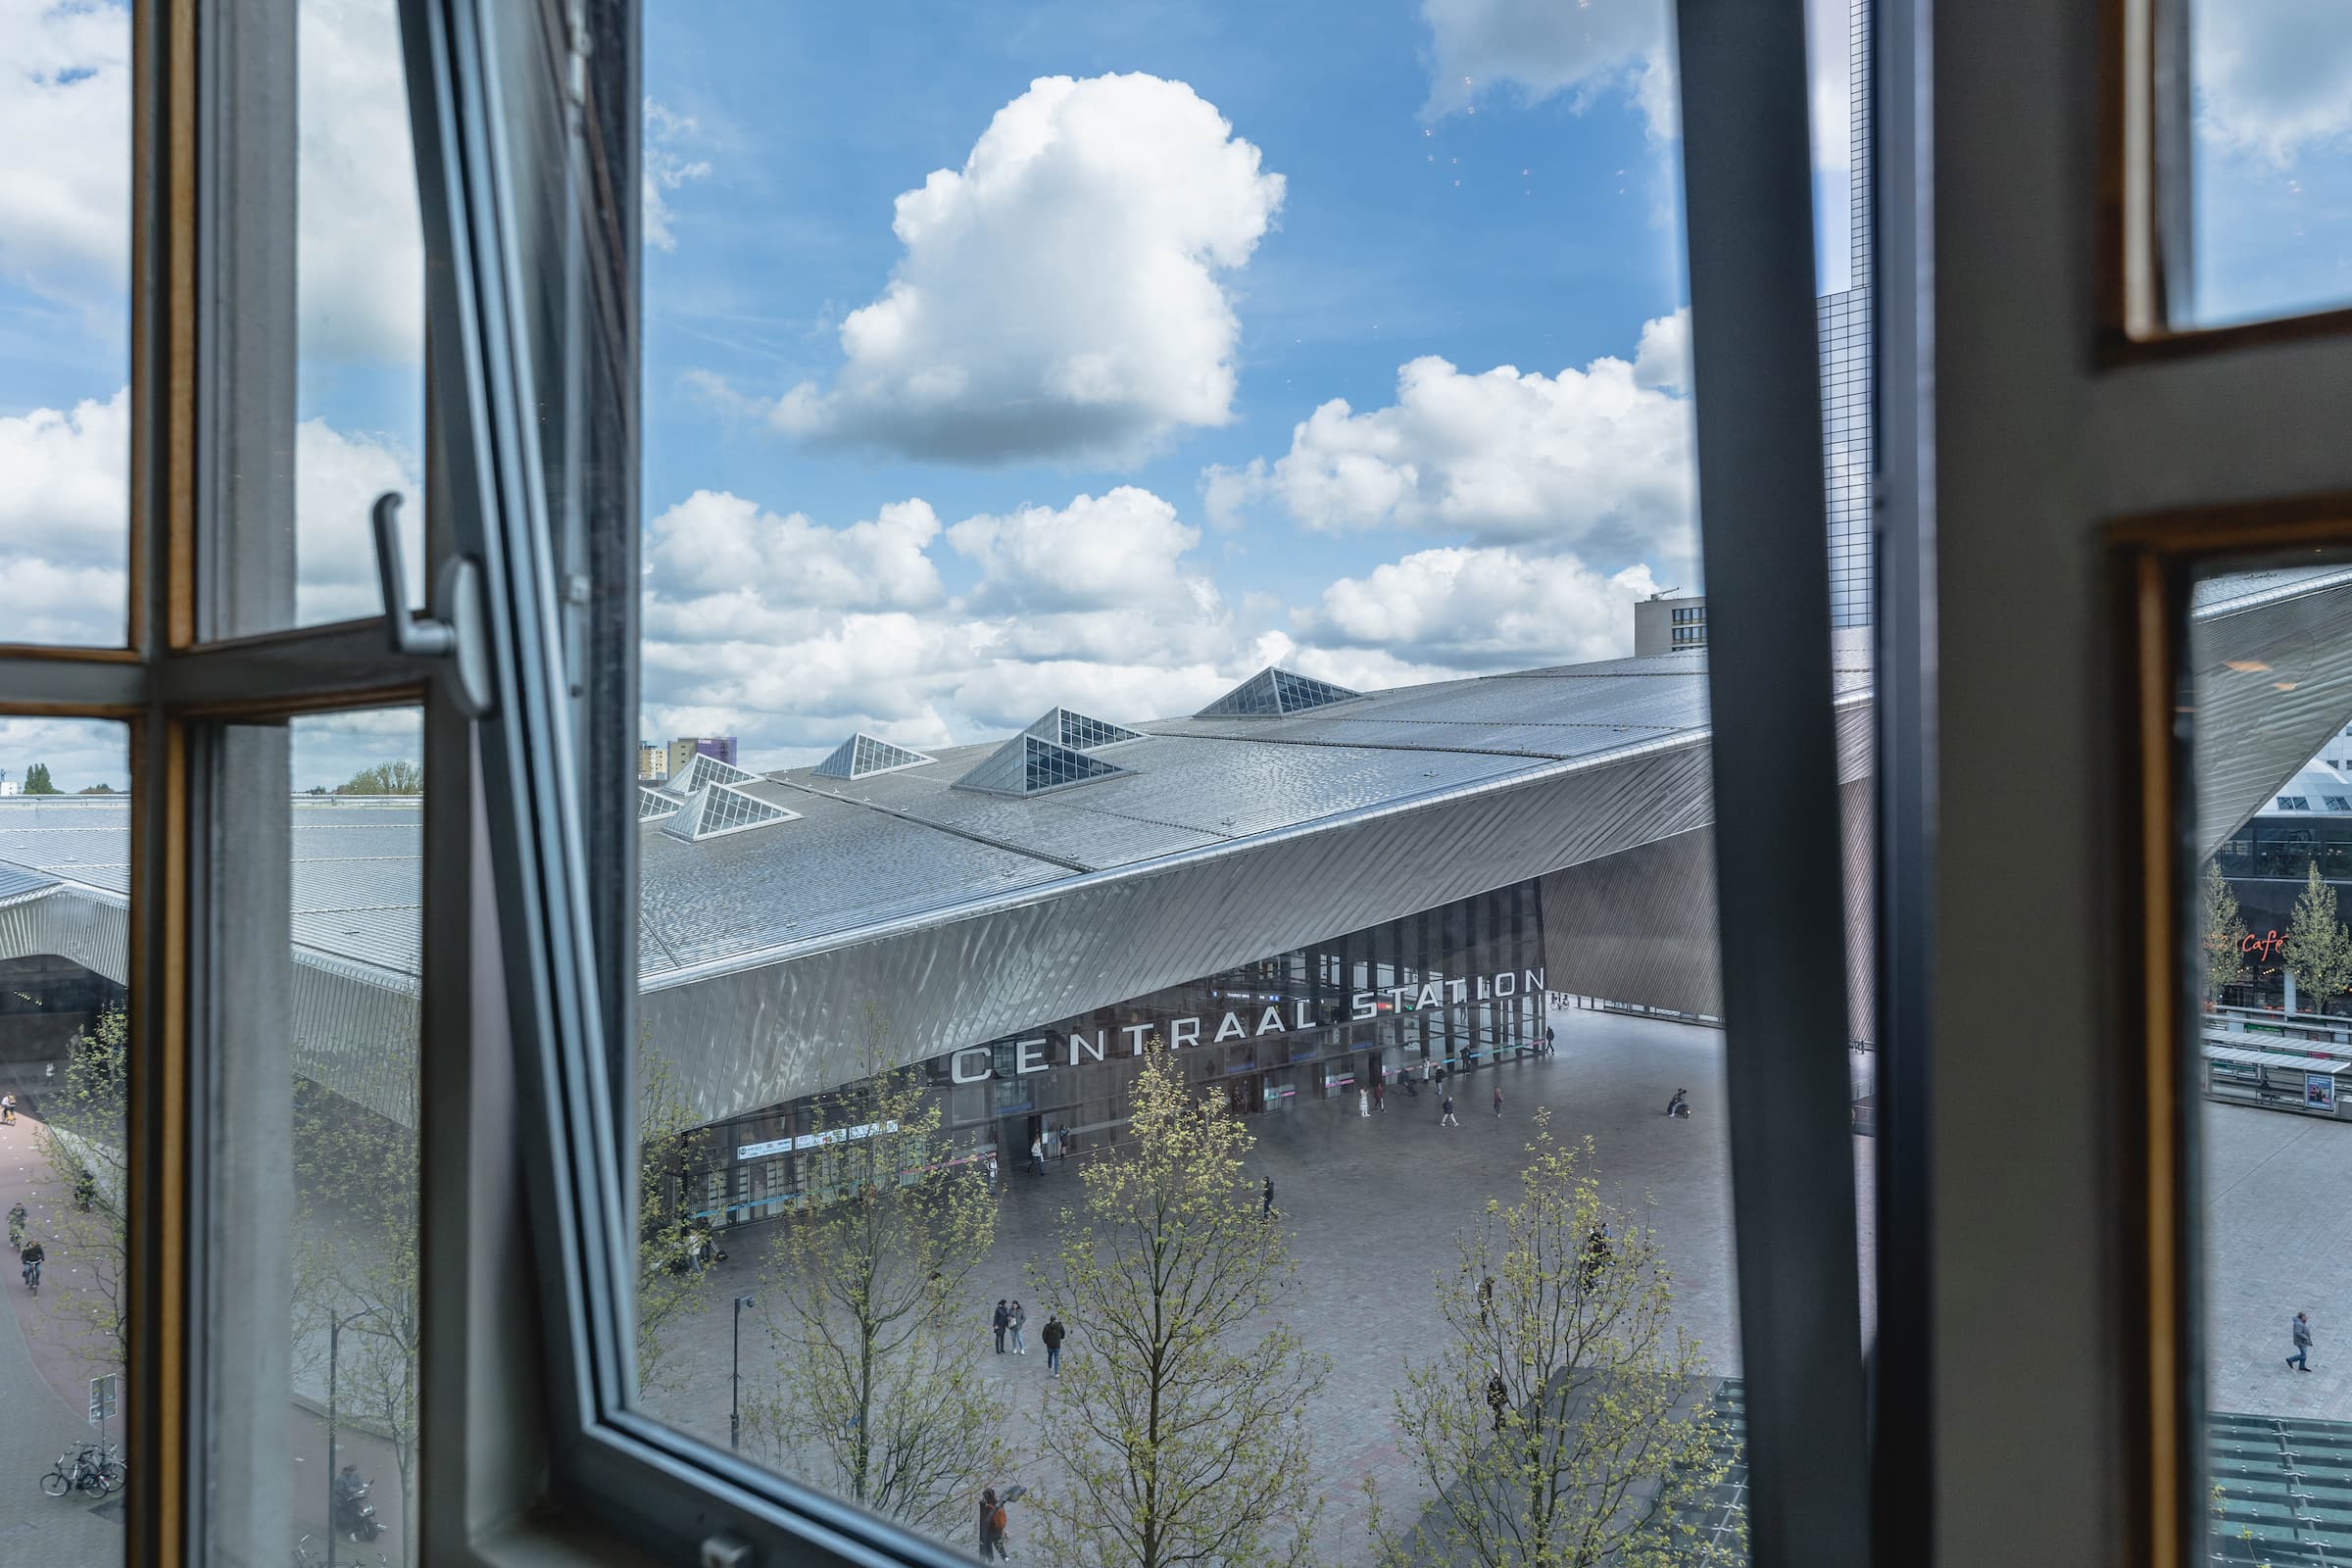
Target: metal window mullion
1777,839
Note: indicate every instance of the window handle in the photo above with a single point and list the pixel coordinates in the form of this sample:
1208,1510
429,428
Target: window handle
453,631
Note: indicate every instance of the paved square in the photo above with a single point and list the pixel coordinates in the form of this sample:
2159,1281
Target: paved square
2278,1240
1373,1205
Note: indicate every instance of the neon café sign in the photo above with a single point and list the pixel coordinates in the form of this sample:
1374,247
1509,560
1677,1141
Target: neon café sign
977,1064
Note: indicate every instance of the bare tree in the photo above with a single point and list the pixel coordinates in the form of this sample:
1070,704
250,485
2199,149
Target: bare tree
1178,1429
81,1135
1564,1421
875,1395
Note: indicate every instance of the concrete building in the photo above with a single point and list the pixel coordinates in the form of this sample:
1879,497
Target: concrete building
653,762
686,748
1664,625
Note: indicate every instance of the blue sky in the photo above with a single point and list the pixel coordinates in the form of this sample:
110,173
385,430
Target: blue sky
1196,361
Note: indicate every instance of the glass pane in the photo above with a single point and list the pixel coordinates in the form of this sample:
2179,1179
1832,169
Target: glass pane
64,826
2271,652
1129,554
2270,156
65,324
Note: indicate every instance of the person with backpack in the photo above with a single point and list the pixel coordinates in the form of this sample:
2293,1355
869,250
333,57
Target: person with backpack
1446,1112
1054,1335
1002,1320
992,1527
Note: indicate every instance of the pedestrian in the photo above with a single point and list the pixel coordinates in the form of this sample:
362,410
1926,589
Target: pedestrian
1266,1209
1499,1396
1053,1336
1485,1299
1002,1320
992,1173
1014,1321
1498,1101
2301,1359
1380,1093
1596,1255
1550,1041
1446,1112
1412,1080
1036,1154
992,1527
1363,1101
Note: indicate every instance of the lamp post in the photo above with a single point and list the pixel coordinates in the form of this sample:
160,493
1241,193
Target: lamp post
735,1402
334,1343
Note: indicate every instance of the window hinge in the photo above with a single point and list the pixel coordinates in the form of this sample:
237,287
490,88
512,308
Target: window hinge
455,630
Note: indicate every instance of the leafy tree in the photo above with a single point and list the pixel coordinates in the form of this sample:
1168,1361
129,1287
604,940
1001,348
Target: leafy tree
357,1195
2222,931
1597,1447
386,778
36,780
2317,948
667,1288
876,1393
1178,1429
96,789
83,1135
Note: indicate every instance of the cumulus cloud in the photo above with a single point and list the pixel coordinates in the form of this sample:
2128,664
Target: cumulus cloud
360,245
667,168
1543,48
2272,76
1601,457
1123,548
718,546
1482,609
65,118
1062,295
337,476
77,752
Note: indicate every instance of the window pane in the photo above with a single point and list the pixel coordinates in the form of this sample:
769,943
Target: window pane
64,1037
2271,651
2271,154
1129,556
65,324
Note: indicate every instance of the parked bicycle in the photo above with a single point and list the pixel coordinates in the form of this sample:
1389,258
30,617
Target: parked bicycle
92,1467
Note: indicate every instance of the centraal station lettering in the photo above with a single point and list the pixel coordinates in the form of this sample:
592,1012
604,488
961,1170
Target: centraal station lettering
977,1064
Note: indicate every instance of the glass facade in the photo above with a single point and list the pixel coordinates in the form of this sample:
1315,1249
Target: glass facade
1844,319
1397,1004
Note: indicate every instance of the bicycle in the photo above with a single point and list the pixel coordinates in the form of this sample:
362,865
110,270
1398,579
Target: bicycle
92,1467
32,1275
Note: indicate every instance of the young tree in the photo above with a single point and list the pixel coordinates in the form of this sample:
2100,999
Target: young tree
356,1194
1178,1429
2222,930
386,778
877,1393
2317,949
82,1137
1563,1422
100,788
36,780
669,1288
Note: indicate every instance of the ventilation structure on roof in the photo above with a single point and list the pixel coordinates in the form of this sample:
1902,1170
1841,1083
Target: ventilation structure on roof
1029,764
653,806
1272,693
1079,731
862,757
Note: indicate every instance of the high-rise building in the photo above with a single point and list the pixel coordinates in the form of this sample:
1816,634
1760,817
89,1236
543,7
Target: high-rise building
1845,320
653,761
686,748
1663,625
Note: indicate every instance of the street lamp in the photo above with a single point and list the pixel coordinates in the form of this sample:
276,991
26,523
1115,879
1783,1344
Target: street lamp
735,1405
334,1343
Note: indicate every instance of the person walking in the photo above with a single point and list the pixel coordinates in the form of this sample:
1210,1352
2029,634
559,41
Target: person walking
1013,1322
2302,1329
1002,1320
1265,1210
1380,1093
1036,1154
992,1173
1412,1084
1054,1335
1498,1101
992,1527
1446,1112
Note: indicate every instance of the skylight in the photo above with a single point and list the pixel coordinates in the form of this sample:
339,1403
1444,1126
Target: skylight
861,755
1080,731
1028,765
1272,693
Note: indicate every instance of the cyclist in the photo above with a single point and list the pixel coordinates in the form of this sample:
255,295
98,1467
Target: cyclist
35,1255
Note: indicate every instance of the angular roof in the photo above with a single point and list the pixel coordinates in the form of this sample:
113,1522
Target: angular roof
862,756
699,772
653,806
1080,731
1275,693
1028,765
717,810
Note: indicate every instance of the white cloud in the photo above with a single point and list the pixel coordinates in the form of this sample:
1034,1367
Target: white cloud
1060,295
337,477
667,169
77,752
2272,76
713,544
1543,48
65,523
1121,549
65,120
1482,609
1601,457
360,245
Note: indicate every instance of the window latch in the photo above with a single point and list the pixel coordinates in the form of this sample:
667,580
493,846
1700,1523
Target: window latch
454,630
